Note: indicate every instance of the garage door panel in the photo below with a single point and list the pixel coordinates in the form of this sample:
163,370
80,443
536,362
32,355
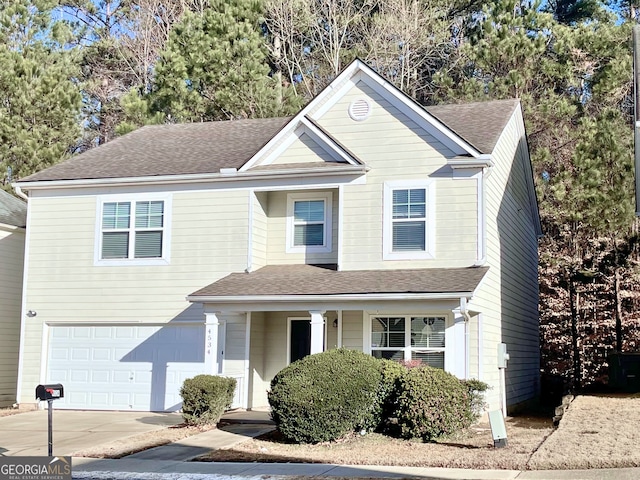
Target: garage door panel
122,367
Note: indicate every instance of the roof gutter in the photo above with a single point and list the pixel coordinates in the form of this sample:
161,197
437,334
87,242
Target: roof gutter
19,191
188,179
326,298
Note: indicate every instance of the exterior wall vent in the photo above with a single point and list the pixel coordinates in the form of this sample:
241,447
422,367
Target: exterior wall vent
359,110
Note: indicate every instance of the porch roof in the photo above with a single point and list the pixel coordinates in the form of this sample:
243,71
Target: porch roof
309,280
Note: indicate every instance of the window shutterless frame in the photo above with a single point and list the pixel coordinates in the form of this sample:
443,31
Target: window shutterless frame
309,222
133,230
409,337
409,220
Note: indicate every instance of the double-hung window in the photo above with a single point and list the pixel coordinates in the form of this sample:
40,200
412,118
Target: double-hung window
408,337
133,231
309,222
409,216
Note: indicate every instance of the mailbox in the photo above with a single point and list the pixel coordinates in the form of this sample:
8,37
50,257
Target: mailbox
52,391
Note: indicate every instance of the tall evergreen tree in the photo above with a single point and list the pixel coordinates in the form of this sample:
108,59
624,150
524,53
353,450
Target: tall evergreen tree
216,67
40,100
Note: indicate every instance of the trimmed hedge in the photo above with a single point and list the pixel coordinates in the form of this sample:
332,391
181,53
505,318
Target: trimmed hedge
476,389
431,403
324,396
205,398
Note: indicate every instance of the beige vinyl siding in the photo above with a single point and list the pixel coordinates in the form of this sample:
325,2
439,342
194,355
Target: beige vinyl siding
509,293
352,329
303,150
12,258
259,231
277,224
258,383
331,332
209,232
395,148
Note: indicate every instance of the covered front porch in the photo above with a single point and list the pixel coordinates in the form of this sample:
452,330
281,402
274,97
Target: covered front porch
252,337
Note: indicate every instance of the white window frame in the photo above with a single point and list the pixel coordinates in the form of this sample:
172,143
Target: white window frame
327,198
407,349
164,259
429,221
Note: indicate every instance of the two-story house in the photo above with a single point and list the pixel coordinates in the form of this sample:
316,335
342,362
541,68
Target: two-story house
365,221
13,219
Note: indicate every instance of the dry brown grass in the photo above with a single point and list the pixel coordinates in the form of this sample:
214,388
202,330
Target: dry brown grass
472,449
597,431
143,441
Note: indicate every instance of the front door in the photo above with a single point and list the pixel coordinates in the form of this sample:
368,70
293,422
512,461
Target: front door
299,339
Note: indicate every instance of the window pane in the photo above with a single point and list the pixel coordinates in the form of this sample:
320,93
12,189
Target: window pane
417,196
417,211
400,196
396,340
115,245
115,215
148,245
408,236
308,235
433,359
149,214
388,354
427,332
308,211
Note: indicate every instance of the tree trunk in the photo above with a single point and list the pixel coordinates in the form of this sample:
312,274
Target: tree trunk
574,302
618,303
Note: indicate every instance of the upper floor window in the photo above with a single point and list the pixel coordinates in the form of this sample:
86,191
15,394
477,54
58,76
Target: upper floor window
133,231
409,215
309,222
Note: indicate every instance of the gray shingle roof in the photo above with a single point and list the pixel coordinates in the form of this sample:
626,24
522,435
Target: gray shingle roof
158,150
479,123
13,211
201,148
311,280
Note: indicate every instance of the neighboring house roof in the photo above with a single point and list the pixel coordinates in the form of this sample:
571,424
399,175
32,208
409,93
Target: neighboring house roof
205,148
13,211
158,150
312,280
479,123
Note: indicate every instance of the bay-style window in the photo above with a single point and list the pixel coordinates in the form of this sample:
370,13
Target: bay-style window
309,222
409,337
409,216
133,230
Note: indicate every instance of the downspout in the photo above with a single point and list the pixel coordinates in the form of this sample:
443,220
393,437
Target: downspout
250,232
467,318
20,193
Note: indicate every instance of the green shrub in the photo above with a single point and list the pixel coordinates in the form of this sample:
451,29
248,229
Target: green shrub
431,403
324,396
205,398
476,389
391,372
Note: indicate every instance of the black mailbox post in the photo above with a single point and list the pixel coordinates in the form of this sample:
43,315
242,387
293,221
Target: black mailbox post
50,392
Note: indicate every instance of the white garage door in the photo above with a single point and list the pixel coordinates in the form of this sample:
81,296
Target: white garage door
124,367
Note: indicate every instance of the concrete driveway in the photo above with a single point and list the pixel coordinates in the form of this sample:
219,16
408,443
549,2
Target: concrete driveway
26,433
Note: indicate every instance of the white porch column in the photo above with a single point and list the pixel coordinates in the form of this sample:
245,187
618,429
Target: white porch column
212,327
455,357
317,331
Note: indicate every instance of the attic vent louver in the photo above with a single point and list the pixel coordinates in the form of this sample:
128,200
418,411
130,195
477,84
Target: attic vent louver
359,110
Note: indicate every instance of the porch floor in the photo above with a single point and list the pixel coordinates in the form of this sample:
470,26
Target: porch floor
253,417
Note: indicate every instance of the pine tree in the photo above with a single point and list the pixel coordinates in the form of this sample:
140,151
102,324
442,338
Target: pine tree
216,67
39,99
